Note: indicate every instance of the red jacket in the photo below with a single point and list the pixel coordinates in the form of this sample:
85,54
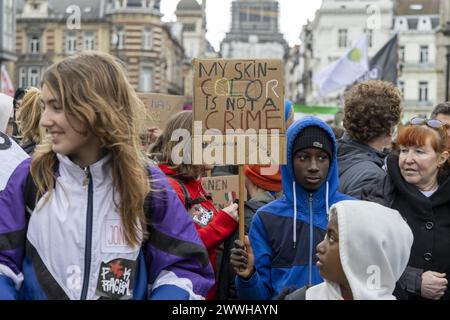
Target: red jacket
213,228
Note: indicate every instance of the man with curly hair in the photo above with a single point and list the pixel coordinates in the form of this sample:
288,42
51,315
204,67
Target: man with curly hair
371,114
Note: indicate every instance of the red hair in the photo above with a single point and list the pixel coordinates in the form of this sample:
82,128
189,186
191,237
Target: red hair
415,135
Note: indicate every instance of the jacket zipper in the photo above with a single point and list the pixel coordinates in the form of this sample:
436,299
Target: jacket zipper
310,236
88,240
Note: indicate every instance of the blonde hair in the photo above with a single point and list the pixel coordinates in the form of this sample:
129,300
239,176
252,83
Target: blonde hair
93,89
29,115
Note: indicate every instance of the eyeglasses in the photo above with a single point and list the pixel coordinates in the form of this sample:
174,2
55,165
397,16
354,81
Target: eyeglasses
432,123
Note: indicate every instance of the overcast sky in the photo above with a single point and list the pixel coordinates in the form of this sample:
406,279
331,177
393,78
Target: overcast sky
293,15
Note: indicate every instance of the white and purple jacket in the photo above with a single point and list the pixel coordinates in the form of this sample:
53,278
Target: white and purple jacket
73,246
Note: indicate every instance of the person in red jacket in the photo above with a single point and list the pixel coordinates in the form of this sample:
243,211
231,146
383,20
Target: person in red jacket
213,226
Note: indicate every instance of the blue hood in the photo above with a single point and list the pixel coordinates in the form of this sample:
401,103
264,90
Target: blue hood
284,235
319,196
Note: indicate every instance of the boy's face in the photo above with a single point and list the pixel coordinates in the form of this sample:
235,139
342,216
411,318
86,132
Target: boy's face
311,168
329,262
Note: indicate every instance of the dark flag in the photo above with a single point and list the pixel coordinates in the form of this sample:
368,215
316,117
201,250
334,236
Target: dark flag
383,66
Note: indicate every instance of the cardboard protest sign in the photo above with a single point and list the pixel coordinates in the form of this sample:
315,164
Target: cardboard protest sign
11,155
160,107
223,189
238,112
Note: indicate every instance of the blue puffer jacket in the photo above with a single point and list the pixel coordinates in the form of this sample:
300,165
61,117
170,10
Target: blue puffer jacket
283,239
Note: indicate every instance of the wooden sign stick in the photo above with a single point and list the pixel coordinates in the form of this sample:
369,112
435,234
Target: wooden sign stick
241,203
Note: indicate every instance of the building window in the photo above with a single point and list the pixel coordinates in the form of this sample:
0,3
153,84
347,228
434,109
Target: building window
8,43
267,14
119,38
401,53
71,42
22,77
423,91
255,15
146,79
342,38
401,87
243,15
135,4
121,4
147,4
33,77
369,33
423,54
189,27
147,38
35,44
89,40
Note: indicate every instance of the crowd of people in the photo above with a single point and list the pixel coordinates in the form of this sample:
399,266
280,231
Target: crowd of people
92,208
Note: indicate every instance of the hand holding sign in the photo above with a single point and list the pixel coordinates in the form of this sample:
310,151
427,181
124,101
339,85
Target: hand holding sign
242,258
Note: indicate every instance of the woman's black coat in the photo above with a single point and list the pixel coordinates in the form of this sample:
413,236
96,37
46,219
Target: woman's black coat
429,220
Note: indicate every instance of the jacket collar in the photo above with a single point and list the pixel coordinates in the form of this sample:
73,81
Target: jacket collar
347,142
100,171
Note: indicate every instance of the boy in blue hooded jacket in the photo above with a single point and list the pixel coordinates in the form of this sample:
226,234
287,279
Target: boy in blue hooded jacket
280,250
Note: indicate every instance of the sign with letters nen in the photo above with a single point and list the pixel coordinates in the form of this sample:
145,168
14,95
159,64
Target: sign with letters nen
223,190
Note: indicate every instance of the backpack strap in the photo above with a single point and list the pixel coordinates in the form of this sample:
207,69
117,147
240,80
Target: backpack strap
148,199
188,201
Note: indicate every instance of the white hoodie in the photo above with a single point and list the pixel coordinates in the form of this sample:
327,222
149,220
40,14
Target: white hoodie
11,155
6,111
374,247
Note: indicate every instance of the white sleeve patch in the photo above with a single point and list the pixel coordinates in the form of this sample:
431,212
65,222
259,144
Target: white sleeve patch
170,278
16,278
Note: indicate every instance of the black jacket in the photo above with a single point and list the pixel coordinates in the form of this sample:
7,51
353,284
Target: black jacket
359,166
429,220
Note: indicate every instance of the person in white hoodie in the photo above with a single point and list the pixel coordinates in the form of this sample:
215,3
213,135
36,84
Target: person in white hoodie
365,251
11,155
6,111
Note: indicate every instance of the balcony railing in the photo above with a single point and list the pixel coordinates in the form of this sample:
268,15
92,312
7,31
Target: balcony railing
417,65
416,104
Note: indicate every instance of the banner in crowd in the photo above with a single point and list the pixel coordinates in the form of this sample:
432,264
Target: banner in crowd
6,83
383,66
343,72
160,107
223,190
238,112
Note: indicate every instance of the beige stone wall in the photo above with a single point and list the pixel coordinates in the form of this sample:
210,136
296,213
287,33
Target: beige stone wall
164,50
443,40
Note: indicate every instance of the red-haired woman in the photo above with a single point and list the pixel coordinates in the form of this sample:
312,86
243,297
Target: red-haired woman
418,186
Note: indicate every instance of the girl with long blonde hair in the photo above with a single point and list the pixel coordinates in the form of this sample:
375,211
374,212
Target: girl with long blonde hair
96,226
28,117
